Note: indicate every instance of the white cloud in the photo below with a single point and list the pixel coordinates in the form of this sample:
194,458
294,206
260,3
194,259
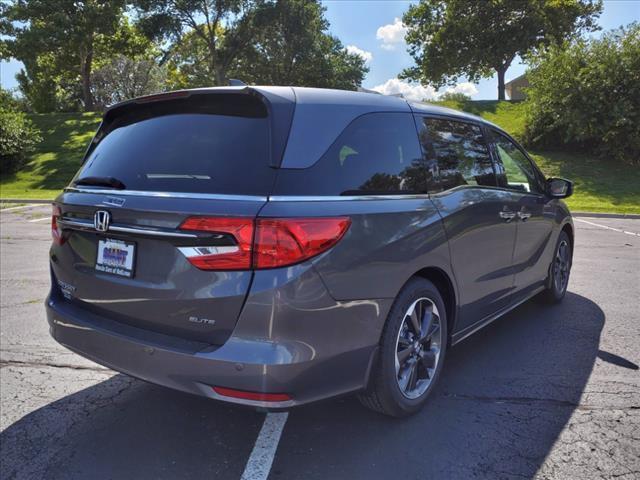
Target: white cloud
414,92
417,93
467,88
388,46
391,34
366,56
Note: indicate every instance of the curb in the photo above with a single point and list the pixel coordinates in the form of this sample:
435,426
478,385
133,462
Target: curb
22,200
628,216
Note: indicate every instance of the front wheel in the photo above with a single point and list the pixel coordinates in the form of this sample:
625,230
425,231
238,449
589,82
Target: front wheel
559,271
412,351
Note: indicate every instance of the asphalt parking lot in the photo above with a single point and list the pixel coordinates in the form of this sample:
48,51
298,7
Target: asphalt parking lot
545,392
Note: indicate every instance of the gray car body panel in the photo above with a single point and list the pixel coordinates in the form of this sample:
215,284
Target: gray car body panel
167,291
389,241
310,330
292,336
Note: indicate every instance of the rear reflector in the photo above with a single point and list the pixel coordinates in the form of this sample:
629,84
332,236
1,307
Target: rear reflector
263,243
258,396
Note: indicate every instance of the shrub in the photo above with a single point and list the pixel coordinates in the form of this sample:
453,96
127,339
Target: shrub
9,100
18,138
587,95
454,97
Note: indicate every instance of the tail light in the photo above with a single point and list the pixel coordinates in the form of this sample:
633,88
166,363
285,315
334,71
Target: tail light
56,231
285,241
265,242
221,257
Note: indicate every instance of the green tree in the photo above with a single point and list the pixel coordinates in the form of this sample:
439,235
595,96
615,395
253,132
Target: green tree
187,63
5,29
293,47
475,39
123,78
224,28
57,40
46,86
587,94
288,45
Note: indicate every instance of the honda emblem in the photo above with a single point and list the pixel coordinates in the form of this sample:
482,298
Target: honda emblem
101,220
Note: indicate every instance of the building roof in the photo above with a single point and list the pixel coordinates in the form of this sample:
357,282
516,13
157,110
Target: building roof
516,80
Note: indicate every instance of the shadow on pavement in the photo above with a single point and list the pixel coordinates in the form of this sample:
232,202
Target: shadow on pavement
616,360
504,397
124,429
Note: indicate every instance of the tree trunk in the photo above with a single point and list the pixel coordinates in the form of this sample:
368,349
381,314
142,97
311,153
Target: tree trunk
501,71
216,70
221,77
85,72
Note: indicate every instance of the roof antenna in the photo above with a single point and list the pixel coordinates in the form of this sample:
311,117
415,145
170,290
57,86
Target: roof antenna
234,82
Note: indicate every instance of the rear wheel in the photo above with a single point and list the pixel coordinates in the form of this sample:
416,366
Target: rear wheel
412,351
559,271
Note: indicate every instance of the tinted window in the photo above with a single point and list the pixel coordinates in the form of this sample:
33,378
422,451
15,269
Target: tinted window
455,154
377,153
188,149
514,170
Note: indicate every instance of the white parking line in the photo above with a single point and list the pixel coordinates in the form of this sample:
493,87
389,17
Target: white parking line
41,219
619,230
20,207
264,451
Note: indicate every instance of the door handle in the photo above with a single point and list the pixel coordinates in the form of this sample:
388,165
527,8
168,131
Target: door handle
507,215
523,215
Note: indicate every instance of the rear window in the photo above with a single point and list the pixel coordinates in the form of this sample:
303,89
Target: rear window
219,144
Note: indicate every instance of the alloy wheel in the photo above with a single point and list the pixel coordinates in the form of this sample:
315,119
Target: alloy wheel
561,267
418,348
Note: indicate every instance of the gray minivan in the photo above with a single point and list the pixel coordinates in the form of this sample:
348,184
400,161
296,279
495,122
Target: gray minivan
273,246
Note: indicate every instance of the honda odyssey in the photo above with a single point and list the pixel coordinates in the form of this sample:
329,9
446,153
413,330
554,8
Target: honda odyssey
273,246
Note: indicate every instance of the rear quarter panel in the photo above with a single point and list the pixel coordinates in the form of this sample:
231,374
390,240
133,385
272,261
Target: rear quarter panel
389,241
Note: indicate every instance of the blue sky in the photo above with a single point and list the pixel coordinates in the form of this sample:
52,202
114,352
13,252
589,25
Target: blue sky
374,29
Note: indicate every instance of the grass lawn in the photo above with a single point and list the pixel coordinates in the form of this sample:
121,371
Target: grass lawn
57,158
599,186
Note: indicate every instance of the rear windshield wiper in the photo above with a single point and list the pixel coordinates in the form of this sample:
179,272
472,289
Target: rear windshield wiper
101,182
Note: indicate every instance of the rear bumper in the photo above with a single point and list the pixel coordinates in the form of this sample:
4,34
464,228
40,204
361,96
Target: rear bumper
278,346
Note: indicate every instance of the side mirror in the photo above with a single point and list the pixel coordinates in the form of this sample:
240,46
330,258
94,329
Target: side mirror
559,188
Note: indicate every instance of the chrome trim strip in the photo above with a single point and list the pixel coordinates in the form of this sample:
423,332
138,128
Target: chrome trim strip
153,233
191,252
194,196
249,198
76,223
345,198
88,225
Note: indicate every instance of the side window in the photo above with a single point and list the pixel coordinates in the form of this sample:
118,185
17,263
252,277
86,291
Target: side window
377,154
455,154
514,170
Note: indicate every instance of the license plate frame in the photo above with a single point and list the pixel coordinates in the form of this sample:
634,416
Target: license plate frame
116,257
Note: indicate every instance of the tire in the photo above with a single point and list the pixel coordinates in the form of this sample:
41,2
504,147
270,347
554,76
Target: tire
559,271
394,367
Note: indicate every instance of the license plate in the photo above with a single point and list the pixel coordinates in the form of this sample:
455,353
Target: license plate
116,257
